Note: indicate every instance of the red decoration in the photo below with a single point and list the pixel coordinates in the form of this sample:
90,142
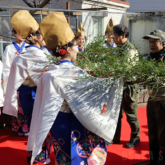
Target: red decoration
44,71
62,52
104,107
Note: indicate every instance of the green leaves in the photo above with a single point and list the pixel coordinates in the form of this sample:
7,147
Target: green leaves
101,61
117,62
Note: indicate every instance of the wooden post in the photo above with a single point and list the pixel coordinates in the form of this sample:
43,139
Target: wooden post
68,8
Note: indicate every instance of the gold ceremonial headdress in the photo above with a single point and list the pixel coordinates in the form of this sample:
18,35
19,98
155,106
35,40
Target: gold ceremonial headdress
23,23
109,26
14,12
56,30
80,31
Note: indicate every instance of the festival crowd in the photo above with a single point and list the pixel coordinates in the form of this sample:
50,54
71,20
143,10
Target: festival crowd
57,105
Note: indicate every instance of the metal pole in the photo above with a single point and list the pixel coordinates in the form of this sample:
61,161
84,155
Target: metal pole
68,8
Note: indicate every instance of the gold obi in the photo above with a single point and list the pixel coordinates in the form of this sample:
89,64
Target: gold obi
29,82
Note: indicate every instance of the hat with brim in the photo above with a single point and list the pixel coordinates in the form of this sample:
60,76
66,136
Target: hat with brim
23,23
151,36
156,34
56,30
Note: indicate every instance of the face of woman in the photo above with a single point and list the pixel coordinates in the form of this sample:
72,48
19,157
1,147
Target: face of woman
41,40
74,51
109,37
81,41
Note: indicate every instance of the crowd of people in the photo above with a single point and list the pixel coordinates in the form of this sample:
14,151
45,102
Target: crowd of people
59,106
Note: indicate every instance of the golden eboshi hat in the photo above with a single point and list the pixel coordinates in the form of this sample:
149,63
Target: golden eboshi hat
109,26
80,31
23,23
56,30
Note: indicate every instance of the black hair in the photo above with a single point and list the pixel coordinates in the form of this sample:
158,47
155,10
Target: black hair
13,31
70,44
121,29
37,33
79,36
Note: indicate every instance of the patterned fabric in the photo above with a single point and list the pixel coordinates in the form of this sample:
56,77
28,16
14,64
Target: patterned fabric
20,124
74,144
111,44
46,151
27,96
81,50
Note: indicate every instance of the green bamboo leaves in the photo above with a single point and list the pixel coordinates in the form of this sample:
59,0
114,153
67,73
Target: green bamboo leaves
103,61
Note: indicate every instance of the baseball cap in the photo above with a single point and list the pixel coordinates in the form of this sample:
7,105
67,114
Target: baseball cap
156,34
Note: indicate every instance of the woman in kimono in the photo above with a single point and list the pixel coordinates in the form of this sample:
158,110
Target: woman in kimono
29,30
73,143
11,51
81,37
108,34
67,131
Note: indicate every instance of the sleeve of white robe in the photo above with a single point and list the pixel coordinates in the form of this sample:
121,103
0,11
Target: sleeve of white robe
1,90
7,59
46,51
86,98
28,64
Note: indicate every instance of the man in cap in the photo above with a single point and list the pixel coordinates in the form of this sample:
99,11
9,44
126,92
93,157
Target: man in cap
130,94
156,105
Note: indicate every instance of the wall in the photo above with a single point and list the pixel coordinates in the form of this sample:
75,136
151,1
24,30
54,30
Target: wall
58,4
111,7
146,5
5,27
86,18
141,25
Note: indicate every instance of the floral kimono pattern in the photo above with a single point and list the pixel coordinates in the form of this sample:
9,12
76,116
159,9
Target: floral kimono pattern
20,124
73,143
46,151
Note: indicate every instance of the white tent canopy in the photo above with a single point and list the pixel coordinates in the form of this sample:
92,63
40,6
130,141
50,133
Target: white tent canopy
146,5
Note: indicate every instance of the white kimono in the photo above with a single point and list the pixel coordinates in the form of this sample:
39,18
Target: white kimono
1,90
87,98
31,63
7,59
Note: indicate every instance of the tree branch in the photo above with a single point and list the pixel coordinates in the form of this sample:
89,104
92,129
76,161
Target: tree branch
29,4
35,4
43,3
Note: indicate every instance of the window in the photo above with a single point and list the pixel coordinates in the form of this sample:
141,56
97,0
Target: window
97,26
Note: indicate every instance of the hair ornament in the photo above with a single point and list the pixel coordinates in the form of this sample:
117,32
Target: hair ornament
62,52
30,38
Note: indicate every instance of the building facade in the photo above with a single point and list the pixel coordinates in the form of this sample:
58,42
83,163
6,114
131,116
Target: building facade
93,14
149,16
